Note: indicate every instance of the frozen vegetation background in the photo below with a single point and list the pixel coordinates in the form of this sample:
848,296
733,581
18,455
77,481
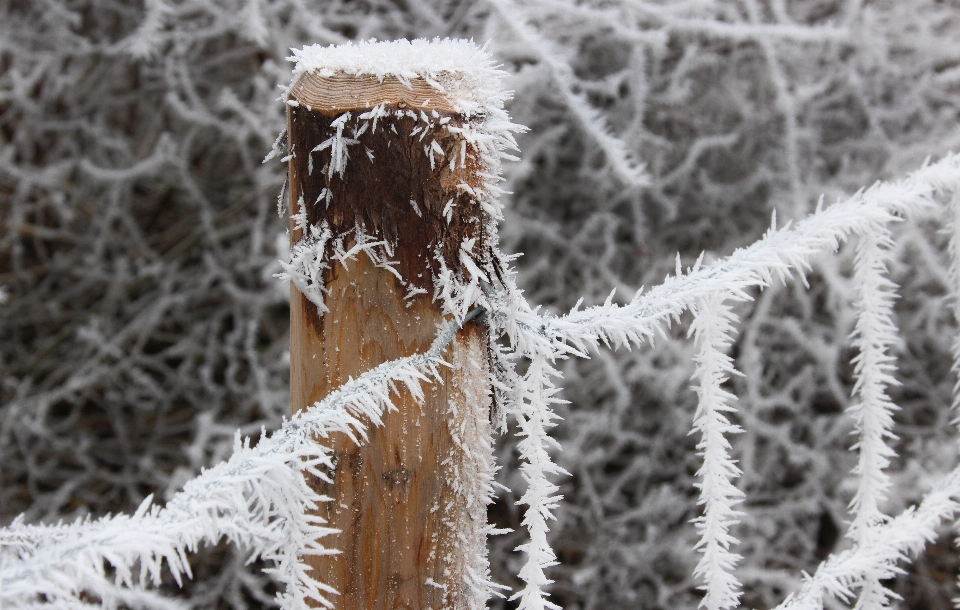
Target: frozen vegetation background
138,237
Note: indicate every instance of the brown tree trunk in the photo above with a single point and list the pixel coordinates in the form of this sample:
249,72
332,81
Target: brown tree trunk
409,502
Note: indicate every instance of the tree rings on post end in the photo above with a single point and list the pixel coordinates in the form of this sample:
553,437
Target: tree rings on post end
333,95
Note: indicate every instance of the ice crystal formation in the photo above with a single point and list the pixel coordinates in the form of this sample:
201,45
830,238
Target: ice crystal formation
143,328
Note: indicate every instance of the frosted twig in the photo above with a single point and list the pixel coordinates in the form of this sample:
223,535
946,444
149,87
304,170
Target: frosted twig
618,157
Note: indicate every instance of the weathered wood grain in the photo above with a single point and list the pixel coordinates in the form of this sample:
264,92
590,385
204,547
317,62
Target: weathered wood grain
401,499
338,93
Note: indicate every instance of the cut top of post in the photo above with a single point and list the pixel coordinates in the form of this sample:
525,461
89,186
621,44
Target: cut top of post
435,212
452,76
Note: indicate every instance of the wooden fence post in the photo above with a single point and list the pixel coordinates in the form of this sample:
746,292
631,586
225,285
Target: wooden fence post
385,160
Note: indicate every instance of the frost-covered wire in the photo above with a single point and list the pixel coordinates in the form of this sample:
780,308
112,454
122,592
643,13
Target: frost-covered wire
880,549
875,336
258,500
781,252
712,329
528,399
773,258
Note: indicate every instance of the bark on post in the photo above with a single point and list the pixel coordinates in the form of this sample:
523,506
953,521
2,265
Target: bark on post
411,501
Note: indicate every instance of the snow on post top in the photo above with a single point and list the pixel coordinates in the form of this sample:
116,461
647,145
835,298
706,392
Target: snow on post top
449,75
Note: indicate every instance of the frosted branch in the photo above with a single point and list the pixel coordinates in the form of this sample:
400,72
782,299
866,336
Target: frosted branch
618,156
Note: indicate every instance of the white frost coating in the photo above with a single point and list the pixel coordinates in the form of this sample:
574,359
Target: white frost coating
529,400
307,263
472,478
339,146
881,549
462,73
713,331
458,294
875,335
